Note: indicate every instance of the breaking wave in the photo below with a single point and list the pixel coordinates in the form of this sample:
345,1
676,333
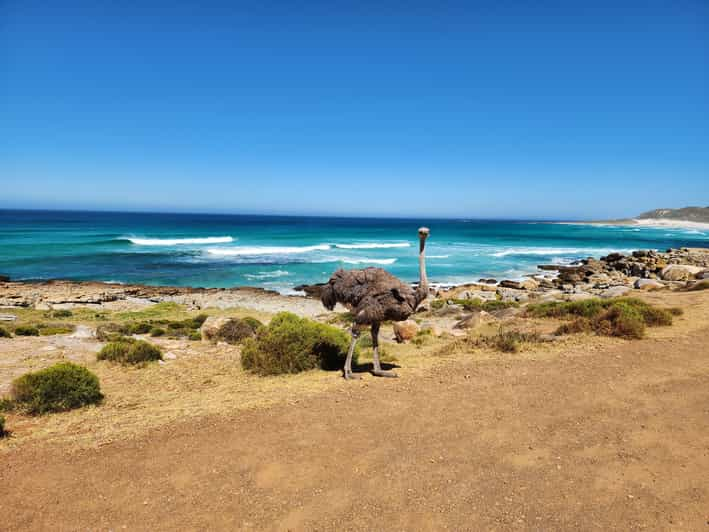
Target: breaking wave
543,251
238,251
369,261
266,275
374,245
178,241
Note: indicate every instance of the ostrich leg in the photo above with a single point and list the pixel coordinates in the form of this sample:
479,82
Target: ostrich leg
348,363
378,371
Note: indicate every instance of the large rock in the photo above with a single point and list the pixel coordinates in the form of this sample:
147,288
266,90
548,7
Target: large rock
469,322
648,284
615,291
405,330
680,272
211,327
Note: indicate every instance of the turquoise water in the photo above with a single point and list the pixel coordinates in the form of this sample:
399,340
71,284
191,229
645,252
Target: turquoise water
281,252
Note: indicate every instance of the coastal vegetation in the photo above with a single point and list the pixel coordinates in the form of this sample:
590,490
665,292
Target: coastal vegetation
622,317
290,344
4,333
130,351
26,330
3,433
63,386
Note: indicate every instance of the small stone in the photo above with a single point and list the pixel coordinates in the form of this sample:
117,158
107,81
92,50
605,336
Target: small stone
405,330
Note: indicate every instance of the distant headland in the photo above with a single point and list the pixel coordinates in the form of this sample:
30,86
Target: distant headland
689,217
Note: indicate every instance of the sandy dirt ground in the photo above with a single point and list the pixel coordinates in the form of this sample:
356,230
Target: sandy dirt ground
593,434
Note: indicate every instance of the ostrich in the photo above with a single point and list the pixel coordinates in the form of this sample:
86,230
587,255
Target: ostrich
374,295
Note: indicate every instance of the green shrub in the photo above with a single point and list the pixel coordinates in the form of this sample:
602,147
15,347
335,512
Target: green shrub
197,321
508,341
479,304
157,331
4,333
624,317
55,328
60,387
141,327
3,433
129,351
236,330
195,336
111,332
290,344
59,313
437,304
253,323
26,330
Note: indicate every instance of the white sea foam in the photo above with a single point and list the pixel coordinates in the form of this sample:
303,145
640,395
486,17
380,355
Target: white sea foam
545,251
369,261
238,251
437,256
374,245
178,241
674,224
266,275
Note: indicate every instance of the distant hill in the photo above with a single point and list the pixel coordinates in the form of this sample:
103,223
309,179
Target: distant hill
690,214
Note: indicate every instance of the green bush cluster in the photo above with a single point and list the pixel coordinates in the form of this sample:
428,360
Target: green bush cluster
236,330
508,341
130,351
60,387
4,333
112,332
622,317
26,330
3,432
290,344
50,329
59,313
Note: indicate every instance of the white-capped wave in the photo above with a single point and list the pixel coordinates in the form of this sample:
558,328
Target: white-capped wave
437,256
369,261
178,241
266,275
374,245
237,251
544,251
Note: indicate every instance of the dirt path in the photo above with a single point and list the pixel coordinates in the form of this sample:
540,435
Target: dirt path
612,439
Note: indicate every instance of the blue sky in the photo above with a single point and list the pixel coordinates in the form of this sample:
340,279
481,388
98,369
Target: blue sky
478,109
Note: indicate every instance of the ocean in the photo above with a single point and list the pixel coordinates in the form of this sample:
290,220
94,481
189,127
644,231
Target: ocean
280,252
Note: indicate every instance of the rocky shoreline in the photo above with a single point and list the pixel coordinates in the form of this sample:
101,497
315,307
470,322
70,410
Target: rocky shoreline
610,276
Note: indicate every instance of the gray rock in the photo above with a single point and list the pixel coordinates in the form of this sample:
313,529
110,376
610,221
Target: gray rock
469,322
680,272
648,284
615,291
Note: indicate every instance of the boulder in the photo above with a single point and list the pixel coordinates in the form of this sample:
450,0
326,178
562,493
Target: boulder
511,294
680,272
405,330
4,278
470,321
703,275
648,284
211,327
615,291
511,284
529,284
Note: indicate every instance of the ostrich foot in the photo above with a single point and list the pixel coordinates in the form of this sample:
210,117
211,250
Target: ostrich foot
349,376
384,373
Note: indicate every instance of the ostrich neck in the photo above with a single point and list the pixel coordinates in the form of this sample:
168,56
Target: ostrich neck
423,280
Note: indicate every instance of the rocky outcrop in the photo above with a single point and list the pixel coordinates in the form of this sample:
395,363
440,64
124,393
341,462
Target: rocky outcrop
680,272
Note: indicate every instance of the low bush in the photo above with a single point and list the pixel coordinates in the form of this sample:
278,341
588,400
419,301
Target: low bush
26,330
50,329
437,304
63,386
129,351
195,336
3,433
141,327
4,333
253,323
508,341
290,344
59,313
236,331
622,317
157,331
111,332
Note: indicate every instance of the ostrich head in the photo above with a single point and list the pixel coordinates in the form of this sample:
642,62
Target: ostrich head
422,290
